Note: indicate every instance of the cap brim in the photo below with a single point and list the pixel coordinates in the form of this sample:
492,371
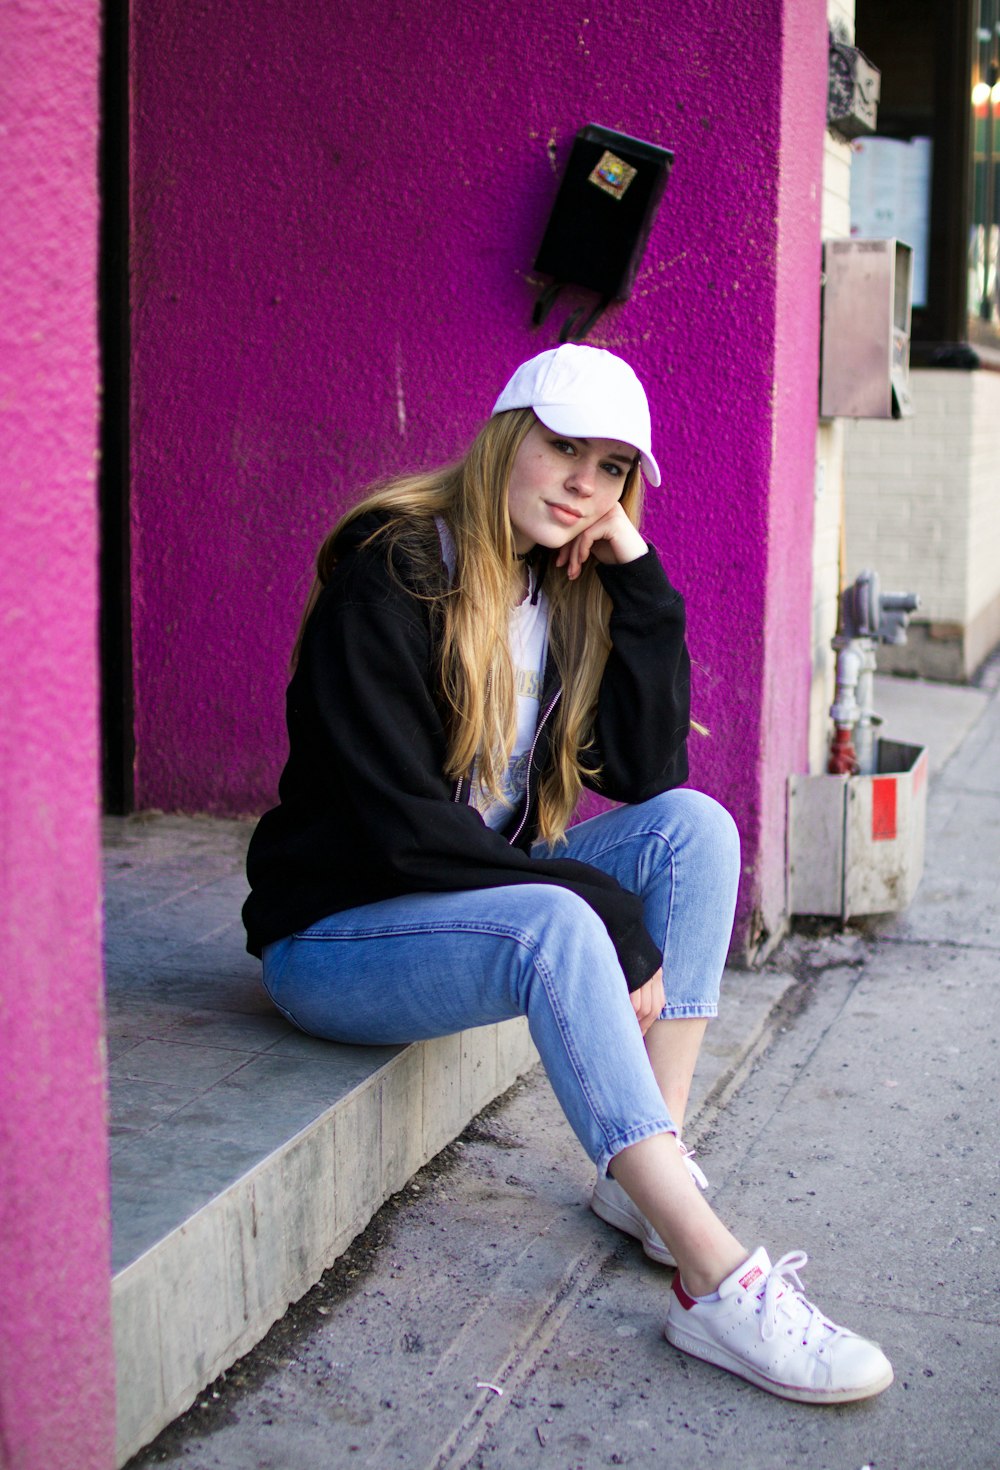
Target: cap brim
566,418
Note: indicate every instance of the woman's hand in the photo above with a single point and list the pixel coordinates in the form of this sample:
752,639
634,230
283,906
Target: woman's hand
648,1001
611,539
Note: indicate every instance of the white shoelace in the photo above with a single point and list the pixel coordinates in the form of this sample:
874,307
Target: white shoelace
695,1170
784,1292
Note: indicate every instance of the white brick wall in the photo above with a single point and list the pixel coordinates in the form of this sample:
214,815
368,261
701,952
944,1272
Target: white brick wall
840,18
836,212
826,585
922,495
984,494
836,223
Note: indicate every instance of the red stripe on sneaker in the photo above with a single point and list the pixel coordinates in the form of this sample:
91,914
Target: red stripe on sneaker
687,1302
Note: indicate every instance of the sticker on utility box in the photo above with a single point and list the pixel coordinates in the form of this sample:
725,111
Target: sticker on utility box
612,174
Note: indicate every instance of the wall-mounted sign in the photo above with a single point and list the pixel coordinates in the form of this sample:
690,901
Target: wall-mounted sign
891,197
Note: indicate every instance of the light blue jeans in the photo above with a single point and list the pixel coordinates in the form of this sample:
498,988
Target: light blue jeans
429,964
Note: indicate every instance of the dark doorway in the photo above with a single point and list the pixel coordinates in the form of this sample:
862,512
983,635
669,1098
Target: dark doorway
117,731
923,50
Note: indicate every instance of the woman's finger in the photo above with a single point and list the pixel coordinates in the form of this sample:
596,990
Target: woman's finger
644,1005
580,551
648,1001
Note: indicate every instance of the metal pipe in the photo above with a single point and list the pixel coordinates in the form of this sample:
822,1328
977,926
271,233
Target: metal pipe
845,711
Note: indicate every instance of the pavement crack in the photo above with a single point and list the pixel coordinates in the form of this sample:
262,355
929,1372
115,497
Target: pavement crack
458,1449
902,1309
962,945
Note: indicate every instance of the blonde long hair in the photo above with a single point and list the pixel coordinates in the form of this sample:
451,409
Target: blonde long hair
476,675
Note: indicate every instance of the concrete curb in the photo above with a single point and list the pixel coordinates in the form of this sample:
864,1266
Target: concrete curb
208,1291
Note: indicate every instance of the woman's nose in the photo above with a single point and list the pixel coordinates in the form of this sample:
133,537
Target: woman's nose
581,478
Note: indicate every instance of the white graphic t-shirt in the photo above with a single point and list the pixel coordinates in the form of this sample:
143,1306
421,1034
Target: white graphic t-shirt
529,637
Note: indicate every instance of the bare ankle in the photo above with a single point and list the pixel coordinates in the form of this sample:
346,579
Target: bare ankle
702,1277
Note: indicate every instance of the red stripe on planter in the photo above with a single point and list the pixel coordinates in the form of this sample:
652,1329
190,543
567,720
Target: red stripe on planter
883,809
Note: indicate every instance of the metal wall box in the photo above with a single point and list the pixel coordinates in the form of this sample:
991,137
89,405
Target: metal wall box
603,212
854,90
856,843
865,357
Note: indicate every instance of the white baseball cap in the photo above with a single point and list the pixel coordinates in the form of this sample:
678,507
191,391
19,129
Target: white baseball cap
585,393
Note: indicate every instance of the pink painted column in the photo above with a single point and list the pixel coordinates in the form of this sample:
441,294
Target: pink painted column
56,1368
785,629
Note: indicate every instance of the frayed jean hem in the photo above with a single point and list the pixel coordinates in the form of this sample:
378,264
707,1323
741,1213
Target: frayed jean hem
635,1134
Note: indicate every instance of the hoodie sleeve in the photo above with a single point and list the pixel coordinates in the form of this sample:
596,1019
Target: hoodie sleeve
643,712
365,776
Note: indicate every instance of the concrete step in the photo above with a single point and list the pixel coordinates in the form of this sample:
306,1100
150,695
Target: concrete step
246,1156
204,1293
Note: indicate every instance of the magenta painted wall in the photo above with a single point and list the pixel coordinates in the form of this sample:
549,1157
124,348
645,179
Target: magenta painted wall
336,211
56,1372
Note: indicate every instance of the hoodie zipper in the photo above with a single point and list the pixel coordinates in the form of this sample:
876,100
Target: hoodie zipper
531,758
461,789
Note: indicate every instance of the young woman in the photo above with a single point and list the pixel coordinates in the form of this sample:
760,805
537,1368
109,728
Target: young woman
481,643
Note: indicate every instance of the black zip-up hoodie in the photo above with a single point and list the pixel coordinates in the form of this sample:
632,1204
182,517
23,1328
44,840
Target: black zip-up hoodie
366,812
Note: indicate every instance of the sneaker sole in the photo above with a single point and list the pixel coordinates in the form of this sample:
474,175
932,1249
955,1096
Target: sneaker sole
611,1215
719,1358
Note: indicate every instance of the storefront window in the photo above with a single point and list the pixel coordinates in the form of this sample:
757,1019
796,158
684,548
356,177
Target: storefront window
984,234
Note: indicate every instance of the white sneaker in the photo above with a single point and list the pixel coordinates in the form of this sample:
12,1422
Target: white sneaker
611,1204
763,1328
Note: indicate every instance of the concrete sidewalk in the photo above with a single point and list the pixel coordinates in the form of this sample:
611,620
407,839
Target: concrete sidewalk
865,1135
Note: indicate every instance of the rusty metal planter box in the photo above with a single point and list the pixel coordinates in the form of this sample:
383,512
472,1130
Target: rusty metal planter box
856,843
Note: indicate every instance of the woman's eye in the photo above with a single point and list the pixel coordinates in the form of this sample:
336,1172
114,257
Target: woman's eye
615,470
564,446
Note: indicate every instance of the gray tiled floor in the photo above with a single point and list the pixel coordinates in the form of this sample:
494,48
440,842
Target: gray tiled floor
206,1079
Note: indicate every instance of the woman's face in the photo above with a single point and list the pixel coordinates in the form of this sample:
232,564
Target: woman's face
560,486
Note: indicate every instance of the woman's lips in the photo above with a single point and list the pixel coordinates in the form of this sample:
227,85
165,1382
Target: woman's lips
564,514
